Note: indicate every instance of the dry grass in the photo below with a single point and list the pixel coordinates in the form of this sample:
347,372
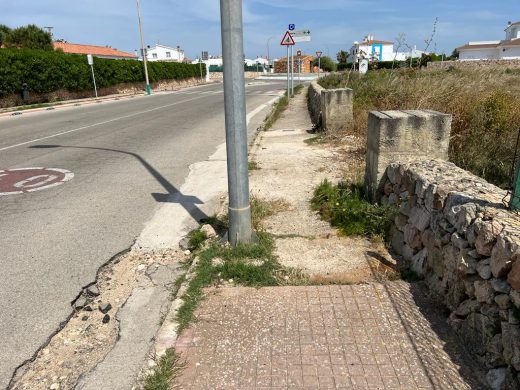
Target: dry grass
485,105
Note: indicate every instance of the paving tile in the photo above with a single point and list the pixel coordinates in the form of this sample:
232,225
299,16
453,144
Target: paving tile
337,337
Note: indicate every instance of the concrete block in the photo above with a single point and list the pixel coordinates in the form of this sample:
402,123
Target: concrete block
331,109
400,136
337,109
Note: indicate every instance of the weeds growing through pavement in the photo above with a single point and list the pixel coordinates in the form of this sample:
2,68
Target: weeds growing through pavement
164,372
253,265
346,208
279,108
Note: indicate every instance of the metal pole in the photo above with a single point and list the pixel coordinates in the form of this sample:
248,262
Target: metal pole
292,71
143,52
319,66
200,66
288,82
94,79
240,230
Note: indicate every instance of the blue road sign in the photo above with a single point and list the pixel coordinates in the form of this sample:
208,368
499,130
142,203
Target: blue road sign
300,62
292,27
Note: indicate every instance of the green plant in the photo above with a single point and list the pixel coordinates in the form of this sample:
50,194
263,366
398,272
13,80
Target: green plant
253,166
484,104
326,64
164,372
195,239
27,37
49,71
345,207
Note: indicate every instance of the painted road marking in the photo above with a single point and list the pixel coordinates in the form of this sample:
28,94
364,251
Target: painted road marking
22,180
97,124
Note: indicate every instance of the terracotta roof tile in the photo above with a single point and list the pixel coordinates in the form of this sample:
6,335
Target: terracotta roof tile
74,48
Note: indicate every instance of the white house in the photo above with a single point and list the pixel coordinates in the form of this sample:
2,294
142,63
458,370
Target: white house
212,61
508,49
376,50
372,49
165,53
258,60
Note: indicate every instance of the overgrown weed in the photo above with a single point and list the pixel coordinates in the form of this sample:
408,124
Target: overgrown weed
485,105
345,207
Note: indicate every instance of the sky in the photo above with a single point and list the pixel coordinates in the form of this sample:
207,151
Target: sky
335,24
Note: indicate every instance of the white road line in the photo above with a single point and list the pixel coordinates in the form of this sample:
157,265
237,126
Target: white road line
259,108
96,124
249,116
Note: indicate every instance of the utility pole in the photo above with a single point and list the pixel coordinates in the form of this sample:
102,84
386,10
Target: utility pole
143,50
240,230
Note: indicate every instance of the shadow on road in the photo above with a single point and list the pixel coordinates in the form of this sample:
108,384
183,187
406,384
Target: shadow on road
172,195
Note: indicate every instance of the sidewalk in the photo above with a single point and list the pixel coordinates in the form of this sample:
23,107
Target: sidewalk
363,332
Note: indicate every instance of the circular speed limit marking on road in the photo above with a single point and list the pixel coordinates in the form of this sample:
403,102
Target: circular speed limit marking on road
23,180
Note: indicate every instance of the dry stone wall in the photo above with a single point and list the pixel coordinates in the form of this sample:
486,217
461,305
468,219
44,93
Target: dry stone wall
482,64
454,231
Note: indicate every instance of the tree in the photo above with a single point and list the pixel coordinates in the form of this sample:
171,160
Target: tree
4,31
326,64
29,37
342,56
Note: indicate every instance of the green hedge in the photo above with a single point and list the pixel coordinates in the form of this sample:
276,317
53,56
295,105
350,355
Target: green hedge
48,71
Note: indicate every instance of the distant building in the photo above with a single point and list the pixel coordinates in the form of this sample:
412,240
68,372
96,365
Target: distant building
165,53
211,61
377,50
258,60
280,65
96,51
507,49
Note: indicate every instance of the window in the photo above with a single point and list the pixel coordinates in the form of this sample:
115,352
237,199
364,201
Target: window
168,54
154,55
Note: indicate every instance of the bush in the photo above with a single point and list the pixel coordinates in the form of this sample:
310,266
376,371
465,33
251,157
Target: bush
49,71
326,64
345,207
485,105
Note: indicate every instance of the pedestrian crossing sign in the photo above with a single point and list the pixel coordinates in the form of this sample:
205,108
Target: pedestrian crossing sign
287,39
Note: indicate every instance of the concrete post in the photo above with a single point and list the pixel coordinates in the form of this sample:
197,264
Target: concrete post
400,136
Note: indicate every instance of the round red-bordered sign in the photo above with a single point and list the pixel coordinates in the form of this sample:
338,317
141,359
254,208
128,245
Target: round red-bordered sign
23,180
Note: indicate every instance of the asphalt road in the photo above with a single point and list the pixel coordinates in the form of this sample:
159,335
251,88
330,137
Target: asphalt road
126,156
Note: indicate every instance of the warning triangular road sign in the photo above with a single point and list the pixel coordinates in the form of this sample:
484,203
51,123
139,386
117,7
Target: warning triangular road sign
287,39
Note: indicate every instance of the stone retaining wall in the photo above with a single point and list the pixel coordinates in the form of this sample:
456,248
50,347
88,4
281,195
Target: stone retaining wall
483,64
126,88
453,231
217,76
332,109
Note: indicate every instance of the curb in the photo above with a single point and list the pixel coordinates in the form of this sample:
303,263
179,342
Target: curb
167,335
88,101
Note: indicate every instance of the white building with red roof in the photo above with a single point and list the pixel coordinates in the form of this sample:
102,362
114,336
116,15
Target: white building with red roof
96,51
507,49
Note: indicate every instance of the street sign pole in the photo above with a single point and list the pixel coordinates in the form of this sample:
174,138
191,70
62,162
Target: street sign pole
239,208
90,60
318,54
287,40
292,71
288,73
